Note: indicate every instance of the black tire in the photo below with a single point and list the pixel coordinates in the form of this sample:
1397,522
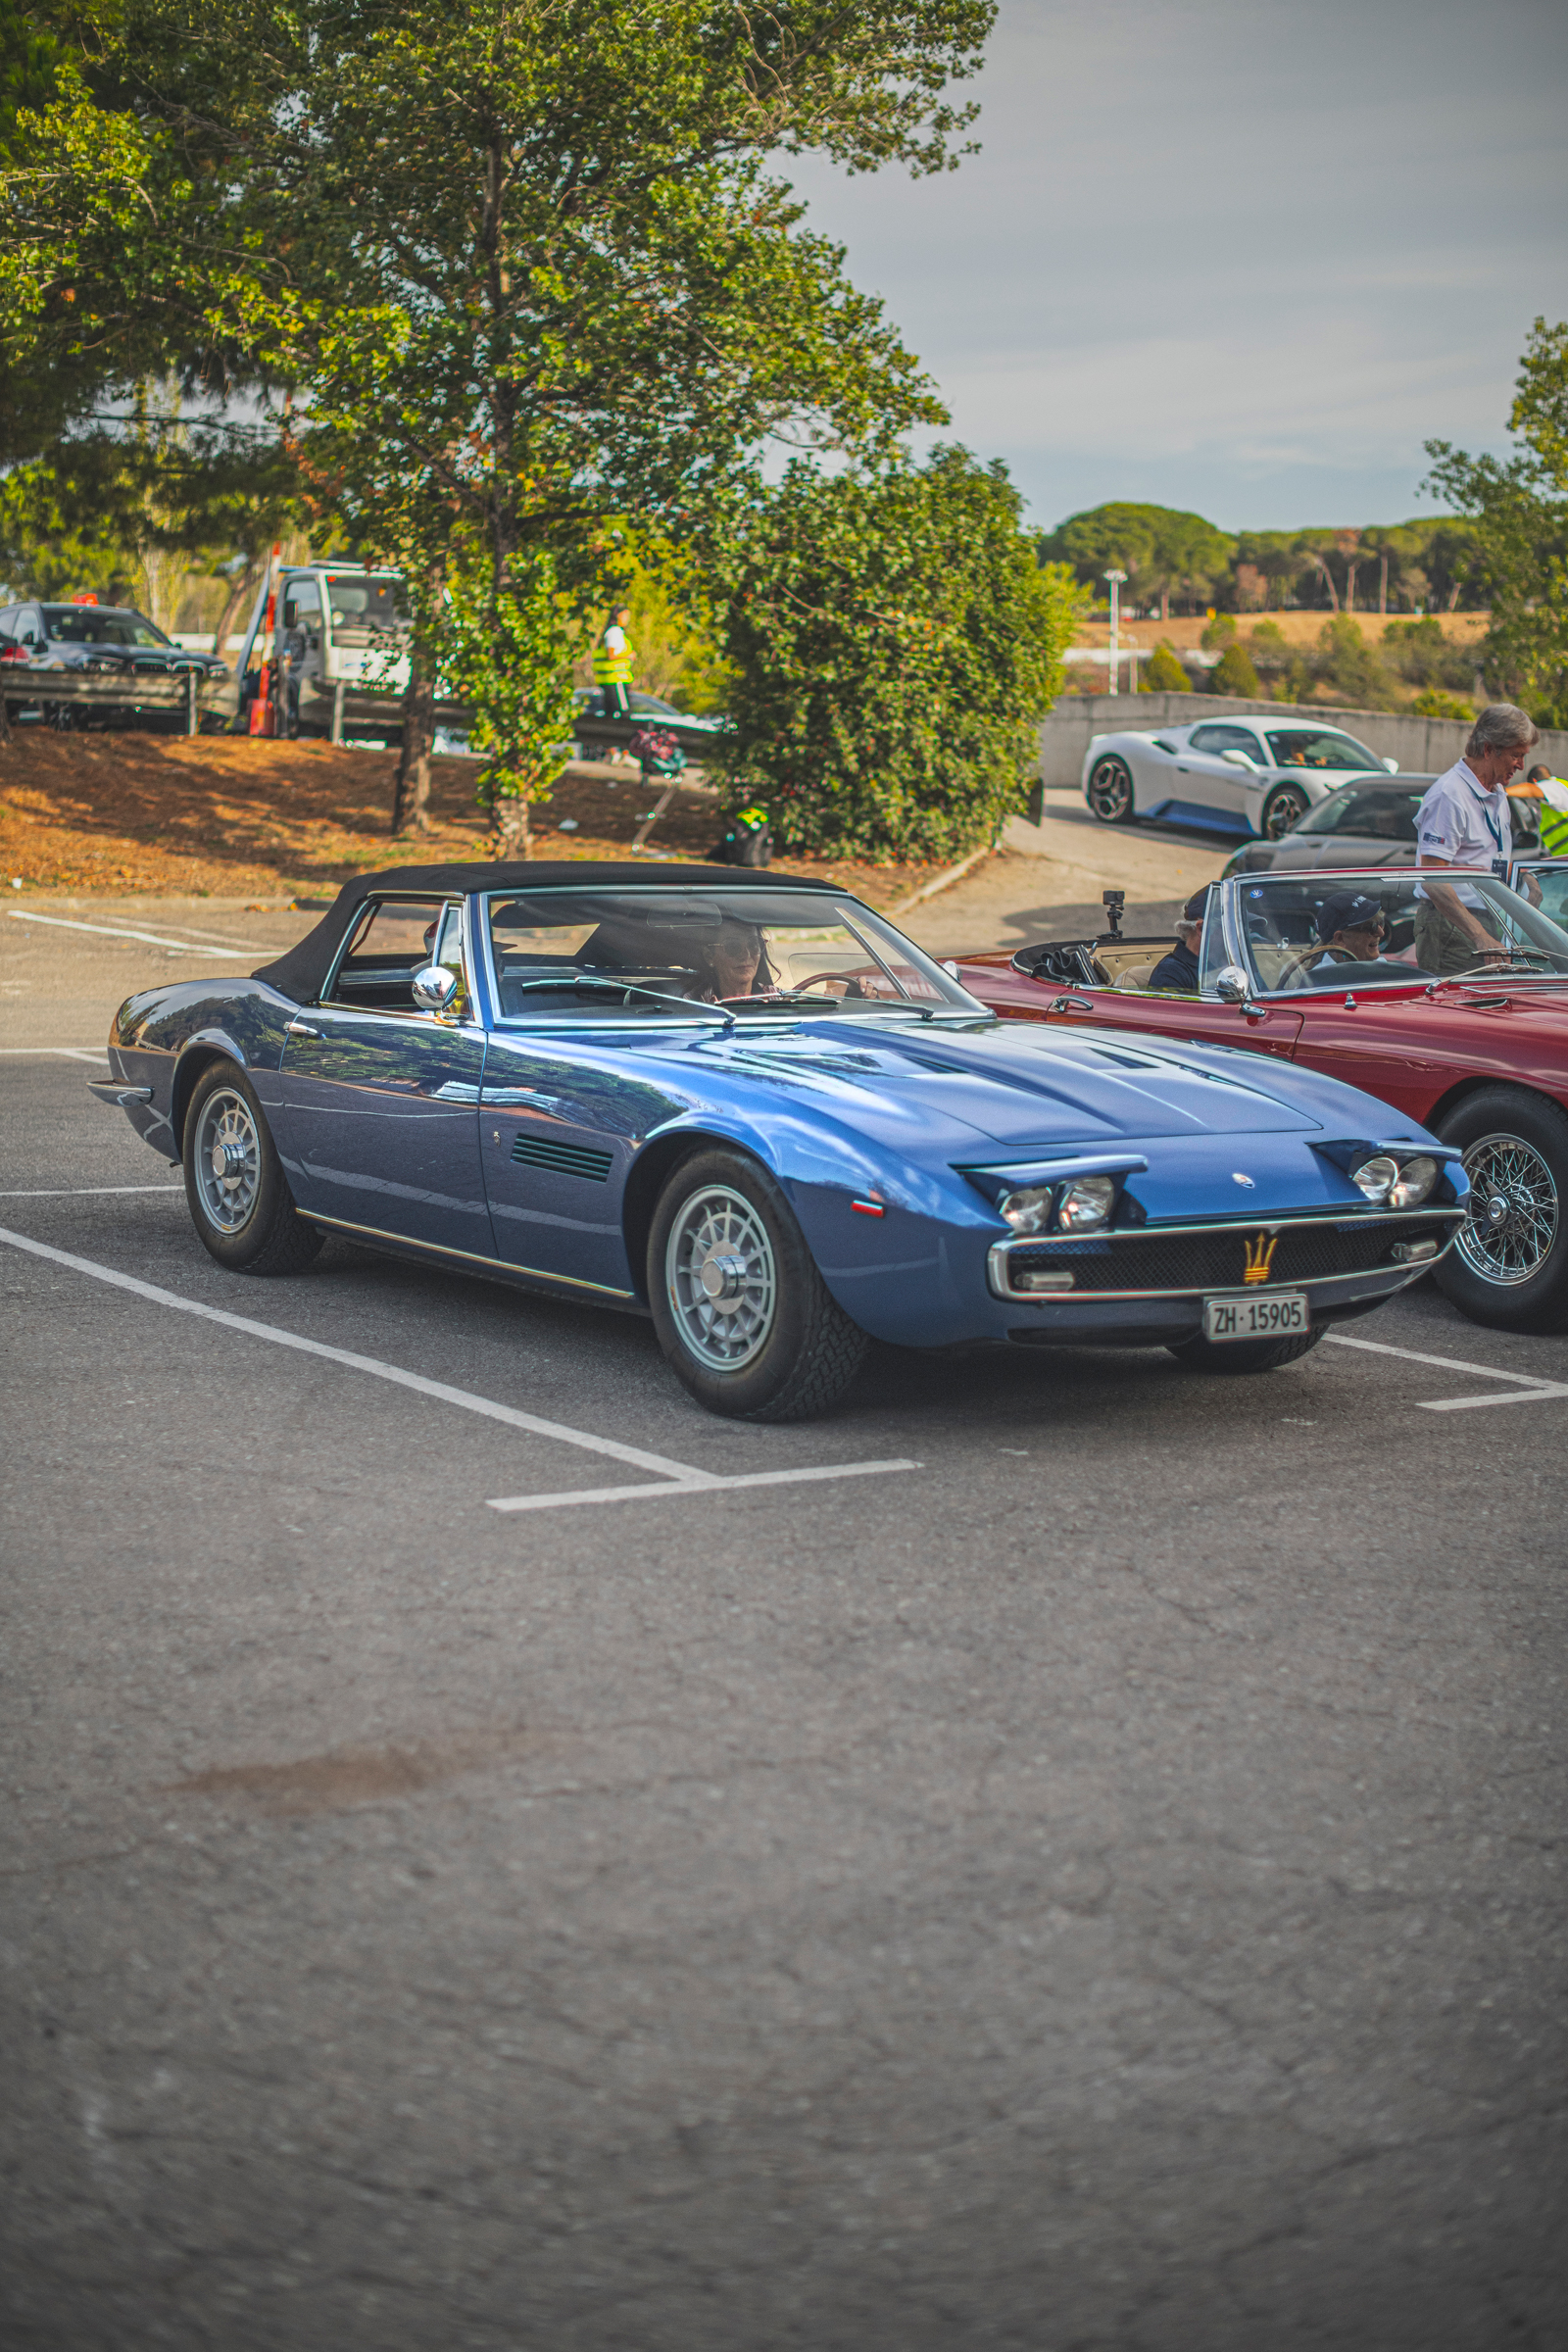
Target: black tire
1110,792
1509,1267
782,1346
1284,807
244,1214
1242,1355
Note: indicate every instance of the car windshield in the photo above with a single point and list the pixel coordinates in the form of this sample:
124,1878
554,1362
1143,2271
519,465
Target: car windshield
363,606
1387,930
1553,883
1390,816
98,624
580,953
1318,748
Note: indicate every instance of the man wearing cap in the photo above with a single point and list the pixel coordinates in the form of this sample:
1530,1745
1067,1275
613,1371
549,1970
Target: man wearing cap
1177,972
1463,823
1350,924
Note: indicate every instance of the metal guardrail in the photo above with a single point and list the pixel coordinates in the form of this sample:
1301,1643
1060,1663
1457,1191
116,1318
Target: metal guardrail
198,698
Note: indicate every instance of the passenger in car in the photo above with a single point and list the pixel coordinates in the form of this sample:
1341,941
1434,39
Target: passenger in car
1349,927
1177,972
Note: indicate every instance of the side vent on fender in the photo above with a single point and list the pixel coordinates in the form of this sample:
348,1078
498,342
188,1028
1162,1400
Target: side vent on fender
565,1160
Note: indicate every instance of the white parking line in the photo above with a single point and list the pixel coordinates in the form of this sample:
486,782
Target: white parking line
696,1485
71,1053
183,947
683,1475
1532,1385
80,1192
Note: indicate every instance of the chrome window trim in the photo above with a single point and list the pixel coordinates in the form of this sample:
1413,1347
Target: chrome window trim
439,898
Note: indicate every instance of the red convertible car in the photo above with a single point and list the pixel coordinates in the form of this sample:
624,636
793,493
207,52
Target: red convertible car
1446,998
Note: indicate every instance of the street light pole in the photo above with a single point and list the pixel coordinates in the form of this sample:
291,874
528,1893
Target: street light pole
1115,578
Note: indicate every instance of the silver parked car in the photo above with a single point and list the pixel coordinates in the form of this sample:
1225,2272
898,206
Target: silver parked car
1255,775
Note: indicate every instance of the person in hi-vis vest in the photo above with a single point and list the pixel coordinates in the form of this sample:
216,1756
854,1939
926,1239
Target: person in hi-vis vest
612,667
1552,815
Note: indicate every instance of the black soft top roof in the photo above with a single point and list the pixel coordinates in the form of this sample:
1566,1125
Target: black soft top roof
300,975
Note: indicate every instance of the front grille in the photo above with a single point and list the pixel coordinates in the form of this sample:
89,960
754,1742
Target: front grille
1219,1261
565,1160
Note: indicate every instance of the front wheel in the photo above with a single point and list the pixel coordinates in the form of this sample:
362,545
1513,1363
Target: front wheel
745,1319
1284,807
1111,797
240,1199
1510,1266
1242,1355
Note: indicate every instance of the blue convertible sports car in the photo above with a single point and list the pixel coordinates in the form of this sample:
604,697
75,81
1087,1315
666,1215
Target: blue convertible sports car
744,1105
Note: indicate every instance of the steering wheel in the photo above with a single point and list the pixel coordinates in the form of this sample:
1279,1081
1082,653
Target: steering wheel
851,985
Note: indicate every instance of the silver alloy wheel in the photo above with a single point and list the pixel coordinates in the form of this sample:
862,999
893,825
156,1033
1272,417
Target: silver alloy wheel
1513,1217
227,1161
1110,791
720,1278
1286,808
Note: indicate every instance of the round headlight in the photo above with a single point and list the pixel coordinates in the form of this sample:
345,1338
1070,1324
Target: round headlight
1028,1211
1085,1204
1415,1180
1374,1176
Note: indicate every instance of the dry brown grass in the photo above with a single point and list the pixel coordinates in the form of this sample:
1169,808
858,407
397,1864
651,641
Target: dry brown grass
230,817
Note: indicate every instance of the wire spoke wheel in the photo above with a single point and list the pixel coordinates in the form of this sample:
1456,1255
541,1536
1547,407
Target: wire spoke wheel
1514,1210
227,1161
721,1279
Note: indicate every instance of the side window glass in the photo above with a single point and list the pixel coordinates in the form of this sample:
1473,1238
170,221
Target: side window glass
393,941
448,950
302,606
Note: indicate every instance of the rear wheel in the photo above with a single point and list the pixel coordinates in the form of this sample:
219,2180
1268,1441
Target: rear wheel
240,1199
1284,807
1110,791
745,1319
1510,1266
1243,1355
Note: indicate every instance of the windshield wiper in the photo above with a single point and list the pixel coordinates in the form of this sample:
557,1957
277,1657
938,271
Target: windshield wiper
625,990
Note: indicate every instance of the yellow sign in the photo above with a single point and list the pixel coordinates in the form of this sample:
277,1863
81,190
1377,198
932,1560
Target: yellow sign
1261,1256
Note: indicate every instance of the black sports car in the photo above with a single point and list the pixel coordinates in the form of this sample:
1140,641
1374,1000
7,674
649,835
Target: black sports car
1365,823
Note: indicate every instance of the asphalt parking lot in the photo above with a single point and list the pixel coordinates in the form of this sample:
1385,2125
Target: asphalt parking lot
1089,1877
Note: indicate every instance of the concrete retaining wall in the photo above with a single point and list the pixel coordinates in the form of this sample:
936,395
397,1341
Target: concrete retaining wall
1421,746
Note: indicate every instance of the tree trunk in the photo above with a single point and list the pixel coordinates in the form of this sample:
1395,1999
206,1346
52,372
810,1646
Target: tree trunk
238,598
1328,576
1352,567
509,828
1165,603
1382,584
410,795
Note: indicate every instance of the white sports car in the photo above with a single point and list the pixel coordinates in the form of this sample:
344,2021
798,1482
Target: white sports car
1233,775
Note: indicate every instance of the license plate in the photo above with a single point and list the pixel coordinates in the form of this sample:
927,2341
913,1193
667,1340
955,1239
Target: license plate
1270,1318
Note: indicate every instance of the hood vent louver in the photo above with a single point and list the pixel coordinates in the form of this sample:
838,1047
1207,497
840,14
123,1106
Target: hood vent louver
562,1159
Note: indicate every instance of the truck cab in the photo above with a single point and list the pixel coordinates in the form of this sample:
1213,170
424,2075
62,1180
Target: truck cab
334,623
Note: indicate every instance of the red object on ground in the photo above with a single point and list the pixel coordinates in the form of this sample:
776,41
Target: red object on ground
263,719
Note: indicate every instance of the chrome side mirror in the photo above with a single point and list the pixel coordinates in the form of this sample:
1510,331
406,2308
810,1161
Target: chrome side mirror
1233,986
434,988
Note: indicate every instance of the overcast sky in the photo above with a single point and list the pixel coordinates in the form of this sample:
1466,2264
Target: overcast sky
1238,258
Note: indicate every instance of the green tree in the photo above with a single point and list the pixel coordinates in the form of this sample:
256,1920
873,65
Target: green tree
1163,550
1347,664
894,643
1233,673
1164,673
1518,508
512,295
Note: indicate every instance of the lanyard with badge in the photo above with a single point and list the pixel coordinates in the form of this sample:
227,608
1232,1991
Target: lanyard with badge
1499,863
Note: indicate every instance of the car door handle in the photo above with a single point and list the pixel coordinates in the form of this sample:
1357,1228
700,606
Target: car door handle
300,1029
1070,1004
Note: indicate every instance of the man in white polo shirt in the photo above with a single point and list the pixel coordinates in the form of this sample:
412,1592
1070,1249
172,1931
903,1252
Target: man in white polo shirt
1464,823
